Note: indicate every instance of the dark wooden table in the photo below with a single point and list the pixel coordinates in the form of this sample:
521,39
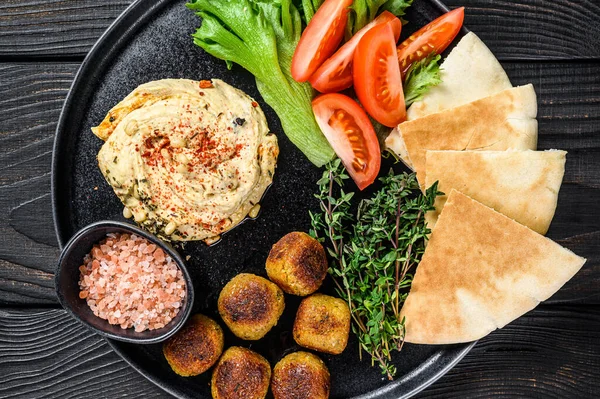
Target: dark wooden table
552,352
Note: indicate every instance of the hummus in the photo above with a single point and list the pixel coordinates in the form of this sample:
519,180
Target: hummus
188,159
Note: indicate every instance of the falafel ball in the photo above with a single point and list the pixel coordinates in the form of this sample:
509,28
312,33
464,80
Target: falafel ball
240,374
250,305
194,348
322,324
297,263
300,375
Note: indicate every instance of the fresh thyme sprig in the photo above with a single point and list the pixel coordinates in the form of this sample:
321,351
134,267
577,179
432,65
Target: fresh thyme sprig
374,253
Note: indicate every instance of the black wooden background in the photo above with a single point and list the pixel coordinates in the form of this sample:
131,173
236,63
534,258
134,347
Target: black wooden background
552,352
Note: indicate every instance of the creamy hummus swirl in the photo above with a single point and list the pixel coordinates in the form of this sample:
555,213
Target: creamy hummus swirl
188,159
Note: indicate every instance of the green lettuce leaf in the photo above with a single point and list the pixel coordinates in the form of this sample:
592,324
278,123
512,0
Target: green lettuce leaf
364,11
397,7
420,77
309,8
261,36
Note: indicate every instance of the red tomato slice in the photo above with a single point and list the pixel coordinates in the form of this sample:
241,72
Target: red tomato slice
336,73
433,37
320,38
377,78
350,132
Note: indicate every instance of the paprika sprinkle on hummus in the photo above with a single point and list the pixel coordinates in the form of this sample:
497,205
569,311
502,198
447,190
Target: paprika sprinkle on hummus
189,159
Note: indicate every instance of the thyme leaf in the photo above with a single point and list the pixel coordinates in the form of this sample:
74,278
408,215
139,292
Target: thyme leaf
374,252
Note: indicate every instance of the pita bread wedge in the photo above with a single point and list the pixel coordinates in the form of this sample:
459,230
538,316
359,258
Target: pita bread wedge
500,122
522,185
480,271
470,72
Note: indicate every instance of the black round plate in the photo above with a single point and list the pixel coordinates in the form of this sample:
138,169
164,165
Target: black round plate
152,40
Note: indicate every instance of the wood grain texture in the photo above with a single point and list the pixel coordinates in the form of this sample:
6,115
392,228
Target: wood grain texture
54,27
535,29
523,30
31,97
551,352
45,353
568,106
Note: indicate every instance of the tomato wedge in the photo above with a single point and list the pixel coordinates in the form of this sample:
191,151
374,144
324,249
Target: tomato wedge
433,37
350,132
377,78
320,38
335,74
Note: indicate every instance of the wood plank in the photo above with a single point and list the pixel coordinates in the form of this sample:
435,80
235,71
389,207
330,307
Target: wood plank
31,96
528,29
54,27
568,106
551,351
30,103
45,353
535,29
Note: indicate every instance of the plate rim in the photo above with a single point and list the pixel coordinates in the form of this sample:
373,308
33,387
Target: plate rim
96,61
384,392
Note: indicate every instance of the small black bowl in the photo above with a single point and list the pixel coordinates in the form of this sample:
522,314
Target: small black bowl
67,284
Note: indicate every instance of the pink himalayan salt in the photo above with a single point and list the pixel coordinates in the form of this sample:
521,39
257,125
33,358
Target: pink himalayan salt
128,281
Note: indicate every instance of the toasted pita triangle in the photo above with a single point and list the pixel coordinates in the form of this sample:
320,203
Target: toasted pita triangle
500,122
480,271
470,72
522,185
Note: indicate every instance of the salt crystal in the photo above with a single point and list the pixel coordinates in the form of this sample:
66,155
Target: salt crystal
143,292
159,255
